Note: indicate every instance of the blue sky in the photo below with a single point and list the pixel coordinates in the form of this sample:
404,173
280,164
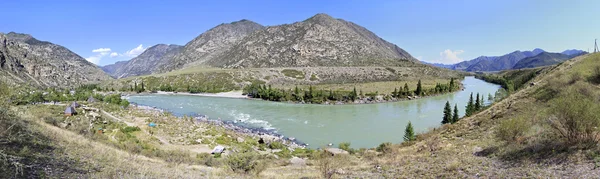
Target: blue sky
434,31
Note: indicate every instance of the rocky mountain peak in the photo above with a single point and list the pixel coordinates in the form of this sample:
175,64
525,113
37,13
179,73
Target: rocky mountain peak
321,18
26,60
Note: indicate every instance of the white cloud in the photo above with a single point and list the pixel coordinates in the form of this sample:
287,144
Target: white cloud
135,51
94,59
114,54
449,56
101,50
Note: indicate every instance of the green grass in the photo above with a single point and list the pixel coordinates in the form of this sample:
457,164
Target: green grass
293,73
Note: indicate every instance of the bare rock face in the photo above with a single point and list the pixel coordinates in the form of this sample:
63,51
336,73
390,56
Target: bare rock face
318,41
211,43
26,60
146,63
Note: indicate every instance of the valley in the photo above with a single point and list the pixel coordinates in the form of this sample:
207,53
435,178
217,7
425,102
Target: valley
298,93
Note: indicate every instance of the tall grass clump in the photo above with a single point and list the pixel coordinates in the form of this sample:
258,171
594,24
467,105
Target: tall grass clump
512,131
245,163
574,117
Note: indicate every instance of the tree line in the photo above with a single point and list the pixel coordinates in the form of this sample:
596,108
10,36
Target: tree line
451,116
312,95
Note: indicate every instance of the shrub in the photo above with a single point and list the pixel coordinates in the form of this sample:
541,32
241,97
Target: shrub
328,164
208,160
384,148
512,130
574,117
595,78
129,129
346,146
245,163
51,120
276,145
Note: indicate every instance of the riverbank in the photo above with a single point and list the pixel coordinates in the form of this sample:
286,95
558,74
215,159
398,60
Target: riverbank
232,126
230,94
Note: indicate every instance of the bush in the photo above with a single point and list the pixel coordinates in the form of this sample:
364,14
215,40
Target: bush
51,120
328,164
276,145
129,129
245,163
385,148
208,160
512,131
575,118
595,78
346,146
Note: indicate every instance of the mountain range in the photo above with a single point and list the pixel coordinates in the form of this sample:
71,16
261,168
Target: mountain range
25,60
514,60
320,40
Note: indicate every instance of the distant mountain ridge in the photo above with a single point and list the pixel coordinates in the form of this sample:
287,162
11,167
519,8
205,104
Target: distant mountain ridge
26,60
146,63
544,59
320,40
317,41
508,61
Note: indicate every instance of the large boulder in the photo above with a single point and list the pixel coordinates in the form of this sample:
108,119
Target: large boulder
295,161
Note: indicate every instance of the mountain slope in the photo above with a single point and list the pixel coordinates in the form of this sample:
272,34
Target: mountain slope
148,62
211,43
573,52
543,59
318,41
503,62
110,69
26,60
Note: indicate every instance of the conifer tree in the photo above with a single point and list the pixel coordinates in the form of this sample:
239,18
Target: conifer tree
477,103
452,85
419,89
470,106
455,115
409,133
331,97
406,90
395,93
353,95
447,114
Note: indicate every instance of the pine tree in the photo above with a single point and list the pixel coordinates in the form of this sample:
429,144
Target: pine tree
143,88
331,97
409,133
490,98
470,106
455,115
447,114
477,103
419,89
406,90
353,95
452,85
395,93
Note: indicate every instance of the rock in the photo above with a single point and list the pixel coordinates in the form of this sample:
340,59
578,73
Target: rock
336,151
240,140
477,149
295,161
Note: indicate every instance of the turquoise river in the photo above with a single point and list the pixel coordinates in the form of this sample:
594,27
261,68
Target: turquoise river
364,125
